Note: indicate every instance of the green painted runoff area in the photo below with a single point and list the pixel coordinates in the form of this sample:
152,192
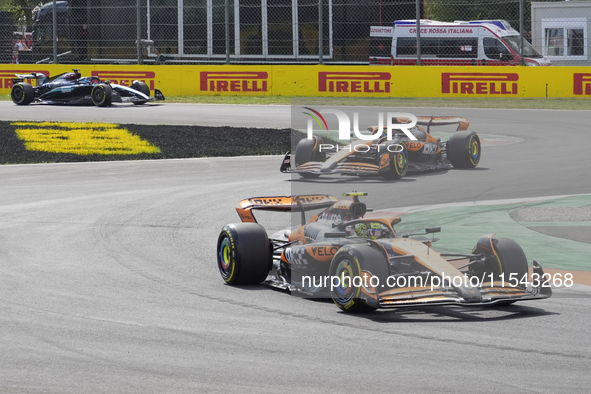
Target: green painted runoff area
461,228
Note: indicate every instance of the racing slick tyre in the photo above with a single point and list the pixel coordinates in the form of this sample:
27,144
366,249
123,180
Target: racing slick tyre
141,87
347,265
398,165
306,151
510,265
22,93
101,95
245,254
463,149
512,259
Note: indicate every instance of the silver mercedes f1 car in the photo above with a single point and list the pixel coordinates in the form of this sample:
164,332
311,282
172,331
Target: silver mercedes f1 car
72,89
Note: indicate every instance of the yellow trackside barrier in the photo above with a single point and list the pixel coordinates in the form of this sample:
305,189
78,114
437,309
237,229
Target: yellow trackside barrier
334,81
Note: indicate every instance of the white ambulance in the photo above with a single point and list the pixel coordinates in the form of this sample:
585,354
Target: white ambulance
459,43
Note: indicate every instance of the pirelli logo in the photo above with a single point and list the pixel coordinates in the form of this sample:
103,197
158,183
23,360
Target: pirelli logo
582,84
126,78
233,81
480,83
354,82
7,75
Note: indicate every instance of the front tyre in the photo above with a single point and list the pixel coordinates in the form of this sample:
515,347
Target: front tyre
22,93
464,149
505,260
511,257
347,265
244,254
101,95
513,263
141,87
307,151
398,165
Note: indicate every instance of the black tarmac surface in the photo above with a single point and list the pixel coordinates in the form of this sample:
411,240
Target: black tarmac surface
174,142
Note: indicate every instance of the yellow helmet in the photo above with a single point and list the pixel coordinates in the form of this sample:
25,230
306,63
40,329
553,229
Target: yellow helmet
371,230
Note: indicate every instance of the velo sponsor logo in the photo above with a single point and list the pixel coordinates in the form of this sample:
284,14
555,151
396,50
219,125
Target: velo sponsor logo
582,84
395,121
354,82
233,81
479,83
126,78
6,77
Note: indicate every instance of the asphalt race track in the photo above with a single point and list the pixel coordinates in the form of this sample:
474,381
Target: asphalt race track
172,114
108,280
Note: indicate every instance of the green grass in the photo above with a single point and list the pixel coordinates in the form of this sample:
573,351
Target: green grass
515,103
448,102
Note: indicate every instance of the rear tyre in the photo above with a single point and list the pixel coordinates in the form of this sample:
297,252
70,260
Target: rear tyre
141,87
22,94
464,149
101,95
398,165
307,151
244,254
347,265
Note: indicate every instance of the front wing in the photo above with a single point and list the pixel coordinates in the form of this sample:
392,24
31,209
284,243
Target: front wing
134,97
497,292
316,168
425,296
355,168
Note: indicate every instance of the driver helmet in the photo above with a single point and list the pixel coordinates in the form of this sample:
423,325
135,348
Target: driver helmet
72,76
371,230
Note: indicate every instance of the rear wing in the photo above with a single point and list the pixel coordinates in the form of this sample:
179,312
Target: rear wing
301,204
443,121
432,121
33,75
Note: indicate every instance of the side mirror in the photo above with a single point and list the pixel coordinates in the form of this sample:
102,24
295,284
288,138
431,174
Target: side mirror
428,230
335,234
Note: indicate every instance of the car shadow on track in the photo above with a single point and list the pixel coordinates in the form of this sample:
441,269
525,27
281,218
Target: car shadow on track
432,314
337,179
410,177
439,171
131,105
446,314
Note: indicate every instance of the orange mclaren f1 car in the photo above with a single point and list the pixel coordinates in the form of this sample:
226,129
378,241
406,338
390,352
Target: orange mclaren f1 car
364,264
392,158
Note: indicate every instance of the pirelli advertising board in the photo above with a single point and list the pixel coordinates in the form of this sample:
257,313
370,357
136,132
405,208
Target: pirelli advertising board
335,81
